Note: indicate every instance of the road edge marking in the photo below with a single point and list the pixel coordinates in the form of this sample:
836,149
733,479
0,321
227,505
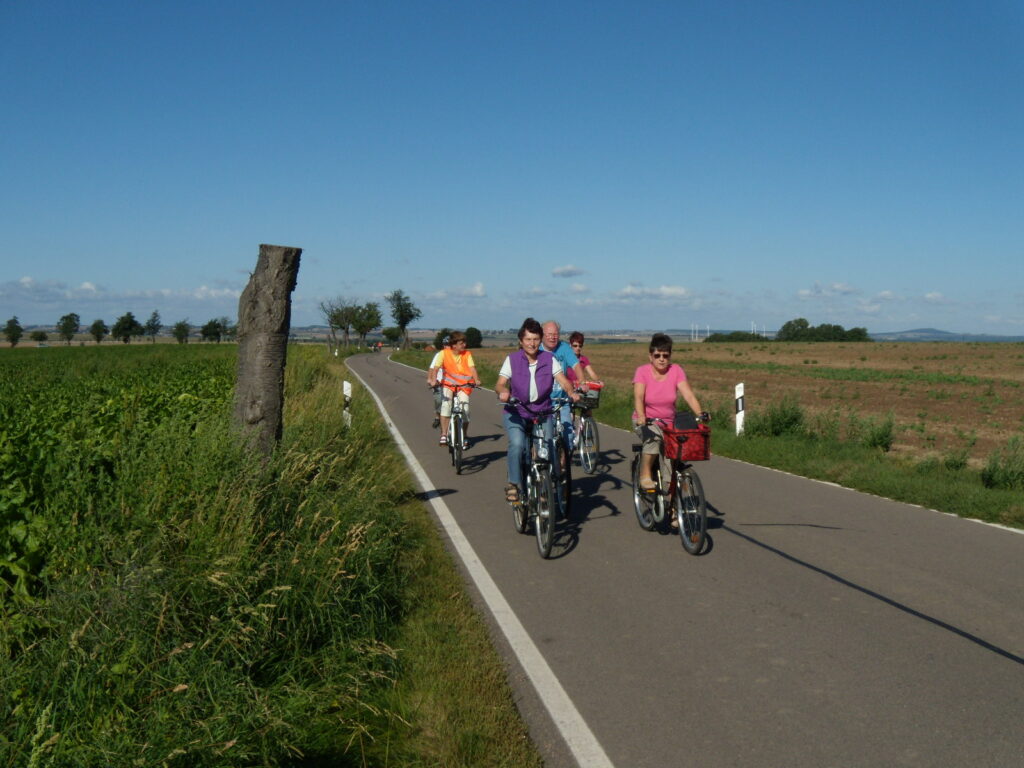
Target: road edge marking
581,741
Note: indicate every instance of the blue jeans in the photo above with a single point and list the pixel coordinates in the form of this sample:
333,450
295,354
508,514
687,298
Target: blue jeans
518,430
565,416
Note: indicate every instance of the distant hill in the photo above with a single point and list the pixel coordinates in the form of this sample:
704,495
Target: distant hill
933,334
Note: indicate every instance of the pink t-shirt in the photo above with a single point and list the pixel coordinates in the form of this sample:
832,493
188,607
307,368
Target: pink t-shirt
659,396
571,374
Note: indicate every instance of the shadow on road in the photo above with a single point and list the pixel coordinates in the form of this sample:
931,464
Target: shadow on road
877,596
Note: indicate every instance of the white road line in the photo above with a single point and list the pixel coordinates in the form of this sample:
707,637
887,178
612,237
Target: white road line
582,743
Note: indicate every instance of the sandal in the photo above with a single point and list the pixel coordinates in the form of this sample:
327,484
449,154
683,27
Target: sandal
512,493
648,485
443,440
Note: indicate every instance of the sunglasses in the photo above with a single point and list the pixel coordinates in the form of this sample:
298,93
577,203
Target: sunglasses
663,355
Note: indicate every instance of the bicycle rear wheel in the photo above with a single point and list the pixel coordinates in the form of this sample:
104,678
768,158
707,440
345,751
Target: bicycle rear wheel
545,511
691,511
590,444
641,501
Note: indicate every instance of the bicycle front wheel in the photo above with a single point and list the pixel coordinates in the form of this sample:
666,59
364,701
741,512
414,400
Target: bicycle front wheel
590,445
691,511
641,501
562,484
455,444
521,509
544,511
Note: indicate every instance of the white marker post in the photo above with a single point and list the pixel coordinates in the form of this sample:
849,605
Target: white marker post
346,392
739,409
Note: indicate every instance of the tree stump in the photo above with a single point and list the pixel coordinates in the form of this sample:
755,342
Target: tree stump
264,322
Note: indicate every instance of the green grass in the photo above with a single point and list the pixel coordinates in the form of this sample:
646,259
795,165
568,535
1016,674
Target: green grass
198,607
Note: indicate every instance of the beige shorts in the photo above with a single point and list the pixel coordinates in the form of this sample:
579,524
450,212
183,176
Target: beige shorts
446,404
654,444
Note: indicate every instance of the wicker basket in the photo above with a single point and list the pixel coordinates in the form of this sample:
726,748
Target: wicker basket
687,444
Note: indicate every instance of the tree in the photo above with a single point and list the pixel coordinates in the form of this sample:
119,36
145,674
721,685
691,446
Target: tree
403,311
474,339
800,330
13,331
212,331
181,331
264,321
439,337
153,326
67,327
98,330
339,313
125,327
228,329
391,334
39,336
793,330
365,319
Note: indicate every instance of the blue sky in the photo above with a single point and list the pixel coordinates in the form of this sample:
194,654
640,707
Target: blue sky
610,164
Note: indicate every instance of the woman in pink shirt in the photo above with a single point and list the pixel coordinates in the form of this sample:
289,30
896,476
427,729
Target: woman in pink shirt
655,387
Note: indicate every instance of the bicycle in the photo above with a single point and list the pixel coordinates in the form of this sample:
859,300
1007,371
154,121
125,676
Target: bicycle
587,442
548,479
679,447
457,429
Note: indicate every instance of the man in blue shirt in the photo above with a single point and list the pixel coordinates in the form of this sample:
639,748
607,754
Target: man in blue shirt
563,353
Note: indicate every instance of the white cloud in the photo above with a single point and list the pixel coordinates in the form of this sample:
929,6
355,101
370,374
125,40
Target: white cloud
568,270
204,292
934,297
578,288
43,301
661,293
826,291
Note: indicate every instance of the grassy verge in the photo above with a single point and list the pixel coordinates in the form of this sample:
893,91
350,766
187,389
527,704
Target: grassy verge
193,606
844,450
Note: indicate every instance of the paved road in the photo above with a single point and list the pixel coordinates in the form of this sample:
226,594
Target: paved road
822,627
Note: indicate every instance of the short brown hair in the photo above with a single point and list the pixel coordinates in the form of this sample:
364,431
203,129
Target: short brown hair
456,337
575,336
531,325
661,342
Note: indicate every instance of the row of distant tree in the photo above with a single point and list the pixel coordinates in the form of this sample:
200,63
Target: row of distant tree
345,315
124,329
799,330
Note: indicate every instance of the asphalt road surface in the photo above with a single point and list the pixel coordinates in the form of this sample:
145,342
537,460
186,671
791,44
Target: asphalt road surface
821,626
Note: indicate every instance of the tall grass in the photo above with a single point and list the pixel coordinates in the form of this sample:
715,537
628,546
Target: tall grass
200,608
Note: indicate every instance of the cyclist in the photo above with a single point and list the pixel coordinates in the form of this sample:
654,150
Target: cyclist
432,382
655,386
564,354
576,340
456,372
529,375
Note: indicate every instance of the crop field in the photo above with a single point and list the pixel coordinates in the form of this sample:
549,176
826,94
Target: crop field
945,398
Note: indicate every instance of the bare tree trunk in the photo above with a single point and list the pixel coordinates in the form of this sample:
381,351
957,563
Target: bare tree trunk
264,321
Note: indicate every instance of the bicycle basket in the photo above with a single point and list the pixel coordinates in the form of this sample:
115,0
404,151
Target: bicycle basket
590,395
687,444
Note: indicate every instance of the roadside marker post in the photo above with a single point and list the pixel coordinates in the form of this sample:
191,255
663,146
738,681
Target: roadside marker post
346,392
739,409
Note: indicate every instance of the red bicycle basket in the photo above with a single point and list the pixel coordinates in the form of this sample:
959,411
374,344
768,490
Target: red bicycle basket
687,444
